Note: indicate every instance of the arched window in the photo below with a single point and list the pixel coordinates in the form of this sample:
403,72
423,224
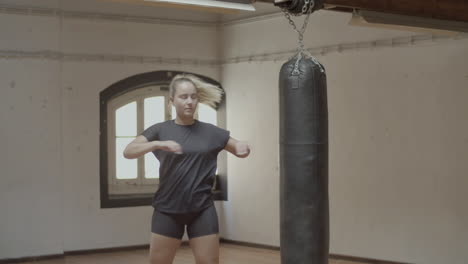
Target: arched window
127,108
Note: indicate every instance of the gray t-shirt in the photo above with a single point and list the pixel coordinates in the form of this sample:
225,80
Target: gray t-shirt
185,180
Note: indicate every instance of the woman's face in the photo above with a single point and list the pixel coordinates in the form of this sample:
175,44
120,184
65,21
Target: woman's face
185,99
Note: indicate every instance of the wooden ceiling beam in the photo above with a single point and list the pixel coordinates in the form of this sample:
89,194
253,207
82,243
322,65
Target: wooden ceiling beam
454,10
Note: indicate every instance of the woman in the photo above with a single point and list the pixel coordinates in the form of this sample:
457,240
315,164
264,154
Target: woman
187,150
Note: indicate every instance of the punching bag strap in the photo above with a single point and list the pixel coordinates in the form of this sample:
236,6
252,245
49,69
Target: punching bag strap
307,9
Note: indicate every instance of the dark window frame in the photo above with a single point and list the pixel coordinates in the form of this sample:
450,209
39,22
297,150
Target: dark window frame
130,84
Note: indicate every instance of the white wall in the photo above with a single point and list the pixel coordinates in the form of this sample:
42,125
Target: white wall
32,187
398,141
50,128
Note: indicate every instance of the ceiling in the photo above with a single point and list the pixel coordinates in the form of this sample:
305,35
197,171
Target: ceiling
436,14
110,7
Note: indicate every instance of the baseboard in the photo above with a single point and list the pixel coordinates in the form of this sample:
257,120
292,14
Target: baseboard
73,253
364,260
31,259
185,243
331,256
248,244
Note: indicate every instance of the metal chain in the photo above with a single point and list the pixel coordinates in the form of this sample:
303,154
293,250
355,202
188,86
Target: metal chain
306,9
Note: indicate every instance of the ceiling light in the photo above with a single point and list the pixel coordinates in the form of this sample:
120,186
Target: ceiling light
245,5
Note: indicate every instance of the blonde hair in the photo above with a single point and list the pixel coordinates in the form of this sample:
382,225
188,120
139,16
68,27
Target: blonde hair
208,93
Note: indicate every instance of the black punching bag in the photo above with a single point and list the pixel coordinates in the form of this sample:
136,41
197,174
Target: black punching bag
304,207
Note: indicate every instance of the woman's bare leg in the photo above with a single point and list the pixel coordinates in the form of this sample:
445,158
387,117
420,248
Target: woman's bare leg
205,249
163,249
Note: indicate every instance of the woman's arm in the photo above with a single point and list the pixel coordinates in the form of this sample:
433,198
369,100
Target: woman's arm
239,148
140,146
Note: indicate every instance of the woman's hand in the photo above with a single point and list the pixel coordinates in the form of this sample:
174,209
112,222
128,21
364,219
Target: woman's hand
242,149
239,148
171,146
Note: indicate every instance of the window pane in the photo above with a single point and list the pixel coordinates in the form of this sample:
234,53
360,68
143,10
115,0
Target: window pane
124,168
174,112
151,166
126,120
207,114
154,110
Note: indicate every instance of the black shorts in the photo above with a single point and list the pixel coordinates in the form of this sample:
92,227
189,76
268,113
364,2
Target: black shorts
198,224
